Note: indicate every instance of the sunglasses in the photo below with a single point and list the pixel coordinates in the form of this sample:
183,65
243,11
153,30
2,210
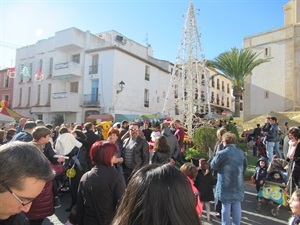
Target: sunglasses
15,196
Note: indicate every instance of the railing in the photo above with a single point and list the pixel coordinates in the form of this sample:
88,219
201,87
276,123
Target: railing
93,69
91,100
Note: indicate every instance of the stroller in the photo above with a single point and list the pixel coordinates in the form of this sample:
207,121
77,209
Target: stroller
274,189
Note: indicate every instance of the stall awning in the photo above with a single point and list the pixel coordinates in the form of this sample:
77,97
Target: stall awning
100,118
150,118
128,117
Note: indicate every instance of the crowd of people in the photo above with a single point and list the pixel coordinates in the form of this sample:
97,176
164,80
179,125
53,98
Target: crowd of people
134,177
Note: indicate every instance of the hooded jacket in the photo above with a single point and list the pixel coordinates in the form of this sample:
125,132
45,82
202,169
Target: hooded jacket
172,142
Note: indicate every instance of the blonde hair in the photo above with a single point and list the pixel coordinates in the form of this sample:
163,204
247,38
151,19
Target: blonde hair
189,170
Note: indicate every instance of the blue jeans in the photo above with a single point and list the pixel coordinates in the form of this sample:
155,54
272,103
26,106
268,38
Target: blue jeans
236,213
270,148
277,150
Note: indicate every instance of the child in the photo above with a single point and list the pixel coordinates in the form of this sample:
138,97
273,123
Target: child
161,151
260,173
191,172
294,203
276,177
204,183
72,217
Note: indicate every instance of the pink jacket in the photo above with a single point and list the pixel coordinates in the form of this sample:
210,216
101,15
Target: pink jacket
196,193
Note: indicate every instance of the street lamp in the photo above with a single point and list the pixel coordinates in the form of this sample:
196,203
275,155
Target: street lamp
121,85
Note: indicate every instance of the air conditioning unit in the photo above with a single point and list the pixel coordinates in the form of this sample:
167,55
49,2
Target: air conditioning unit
121,39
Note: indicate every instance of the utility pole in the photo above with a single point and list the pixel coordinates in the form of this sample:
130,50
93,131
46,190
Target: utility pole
188,92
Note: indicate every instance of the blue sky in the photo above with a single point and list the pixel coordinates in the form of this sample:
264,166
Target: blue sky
222,23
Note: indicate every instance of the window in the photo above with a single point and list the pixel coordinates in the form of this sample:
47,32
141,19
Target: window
94,67
6,98
39,95
212,98
51,66
176,91
228,89
241,106
218,84
146,98
267,51
40,65
147,72
218,99
20,97
223,86
74,87
266,95
6,82
76,58
28,97
49,94
227,103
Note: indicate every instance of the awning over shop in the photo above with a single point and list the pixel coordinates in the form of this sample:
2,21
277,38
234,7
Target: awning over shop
100,118
128,117
150,118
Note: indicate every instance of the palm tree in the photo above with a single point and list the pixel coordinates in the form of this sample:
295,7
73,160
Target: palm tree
236,65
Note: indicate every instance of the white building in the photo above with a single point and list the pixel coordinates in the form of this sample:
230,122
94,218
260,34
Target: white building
81,76
275,86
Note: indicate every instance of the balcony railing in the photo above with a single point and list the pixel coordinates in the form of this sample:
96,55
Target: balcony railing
93,69
91,100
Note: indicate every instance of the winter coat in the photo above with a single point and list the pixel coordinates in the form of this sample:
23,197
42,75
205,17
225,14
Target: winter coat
196,193
140,152
108,186
205,183
42,206
161,157
260,173
231,164
295,220
18,219
65,143
172,142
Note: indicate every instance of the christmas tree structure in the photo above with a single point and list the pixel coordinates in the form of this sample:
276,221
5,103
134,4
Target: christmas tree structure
188,91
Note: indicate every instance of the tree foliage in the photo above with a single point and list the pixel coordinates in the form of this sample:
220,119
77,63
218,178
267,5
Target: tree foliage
236,65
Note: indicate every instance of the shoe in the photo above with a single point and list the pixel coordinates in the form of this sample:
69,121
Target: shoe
57,202
258,206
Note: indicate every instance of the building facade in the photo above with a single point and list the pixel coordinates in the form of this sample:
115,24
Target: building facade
7,85
275,86
77,74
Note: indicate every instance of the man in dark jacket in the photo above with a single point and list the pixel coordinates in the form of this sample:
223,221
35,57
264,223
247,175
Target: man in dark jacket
172,141
135,151
91,138
271,137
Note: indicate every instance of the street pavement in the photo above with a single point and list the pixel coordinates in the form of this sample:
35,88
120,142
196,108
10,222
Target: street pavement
249,214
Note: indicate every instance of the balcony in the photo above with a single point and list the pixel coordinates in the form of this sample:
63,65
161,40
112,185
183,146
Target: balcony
93,69
91,101
65,102
67,70
69,39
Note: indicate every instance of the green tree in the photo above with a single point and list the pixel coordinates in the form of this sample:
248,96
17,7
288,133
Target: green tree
236,65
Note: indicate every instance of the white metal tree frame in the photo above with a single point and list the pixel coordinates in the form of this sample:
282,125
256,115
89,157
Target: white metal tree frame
188,92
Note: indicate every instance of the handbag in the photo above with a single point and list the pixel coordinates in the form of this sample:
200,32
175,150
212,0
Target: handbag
58,168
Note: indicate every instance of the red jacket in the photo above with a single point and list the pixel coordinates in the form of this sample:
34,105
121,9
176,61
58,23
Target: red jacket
196,193
42,206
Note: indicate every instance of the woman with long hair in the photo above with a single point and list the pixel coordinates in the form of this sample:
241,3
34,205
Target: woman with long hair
161,151
157,194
